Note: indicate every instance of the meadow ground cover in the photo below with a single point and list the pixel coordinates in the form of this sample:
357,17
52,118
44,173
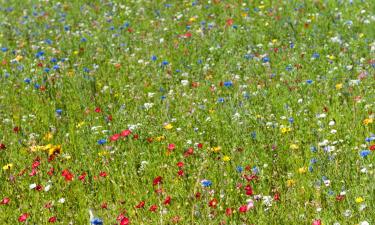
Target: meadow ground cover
187,112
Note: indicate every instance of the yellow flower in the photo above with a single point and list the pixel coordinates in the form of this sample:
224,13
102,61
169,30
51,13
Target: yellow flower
216,149
19,58
192,19
285,130
338,86
331,57
80,124
8,166
103,153
48,136
359,200
168,126
290,182
160,138
302,170
55,149
368,121
226,158
294,147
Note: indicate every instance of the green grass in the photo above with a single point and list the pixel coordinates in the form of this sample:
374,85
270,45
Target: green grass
249,71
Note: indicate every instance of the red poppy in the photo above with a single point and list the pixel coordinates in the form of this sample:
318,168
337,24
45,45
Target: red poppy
317,222
125,221
197,195
228,211
276,197
213,203
16,129
249,190
125,133
104,205
48,205
167,200
52,219
50,172
32,173
180,164
157,180
189,152
180,173
135,136
103,174
229,22
171,146
39,187
5,201
82,176
35,164
340,197
23,217
2,146
153,208
372,147
200,145
243,208
114,137
109,118
98,110
67,174
140,205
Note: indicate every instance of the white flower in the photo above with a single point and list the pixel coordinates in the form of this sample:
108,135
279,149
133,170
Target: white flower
184,82
32,186
61,200
364,223
47,188
148,105
331,123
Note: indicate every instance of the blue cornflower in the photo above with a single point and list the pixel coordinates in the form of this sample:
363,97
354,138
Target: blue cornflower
200,61
313,149
291,120
253,135
58,112
67,28
239,169
154,58
313,161
316,56
255,170
4,49
39,54
289,67
265,59
165,62
27,80
309,81
56,67
220,100
102,141
206,183
47,69
228,84
36,86
53,60
83,39
96,221
365,153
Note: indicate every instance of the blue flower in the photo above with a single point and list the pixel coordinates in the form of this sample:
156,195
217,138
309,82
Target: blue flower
309,81
96,221
47,69
291,120
265,59
255,170
365,153
27,80
154,58
165,62
220,100
206,183
313,149
316,56
4,49
102,141
56,67
239,169
253,135
228,84
58,111
53,60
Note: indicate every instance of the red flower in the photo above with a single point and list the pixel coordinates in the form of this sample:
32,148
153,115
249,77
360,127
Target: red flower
243,208
98,110
125,133
372,147
229,22
23,217
52,219
109,118
153,208
229,211
67,174
82,176
189,152
340,197
48,205
104,205
200,145
213,203
125,221
180,164
2,146
249,190
35,164
171,146
180,173
16,129
114,137
5,201
140,205
276,197
39,187
197,195
103,174
157,180
167,200
32,173
50,172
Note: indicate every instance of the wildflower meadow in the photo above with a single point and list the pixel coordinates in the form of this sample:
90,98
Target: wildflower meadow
187,112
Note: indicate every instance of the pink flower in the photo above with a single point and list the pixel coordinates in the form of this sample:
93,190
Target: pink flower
114,137
243,208
125,133
5,201
171,146
23,217
317,222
